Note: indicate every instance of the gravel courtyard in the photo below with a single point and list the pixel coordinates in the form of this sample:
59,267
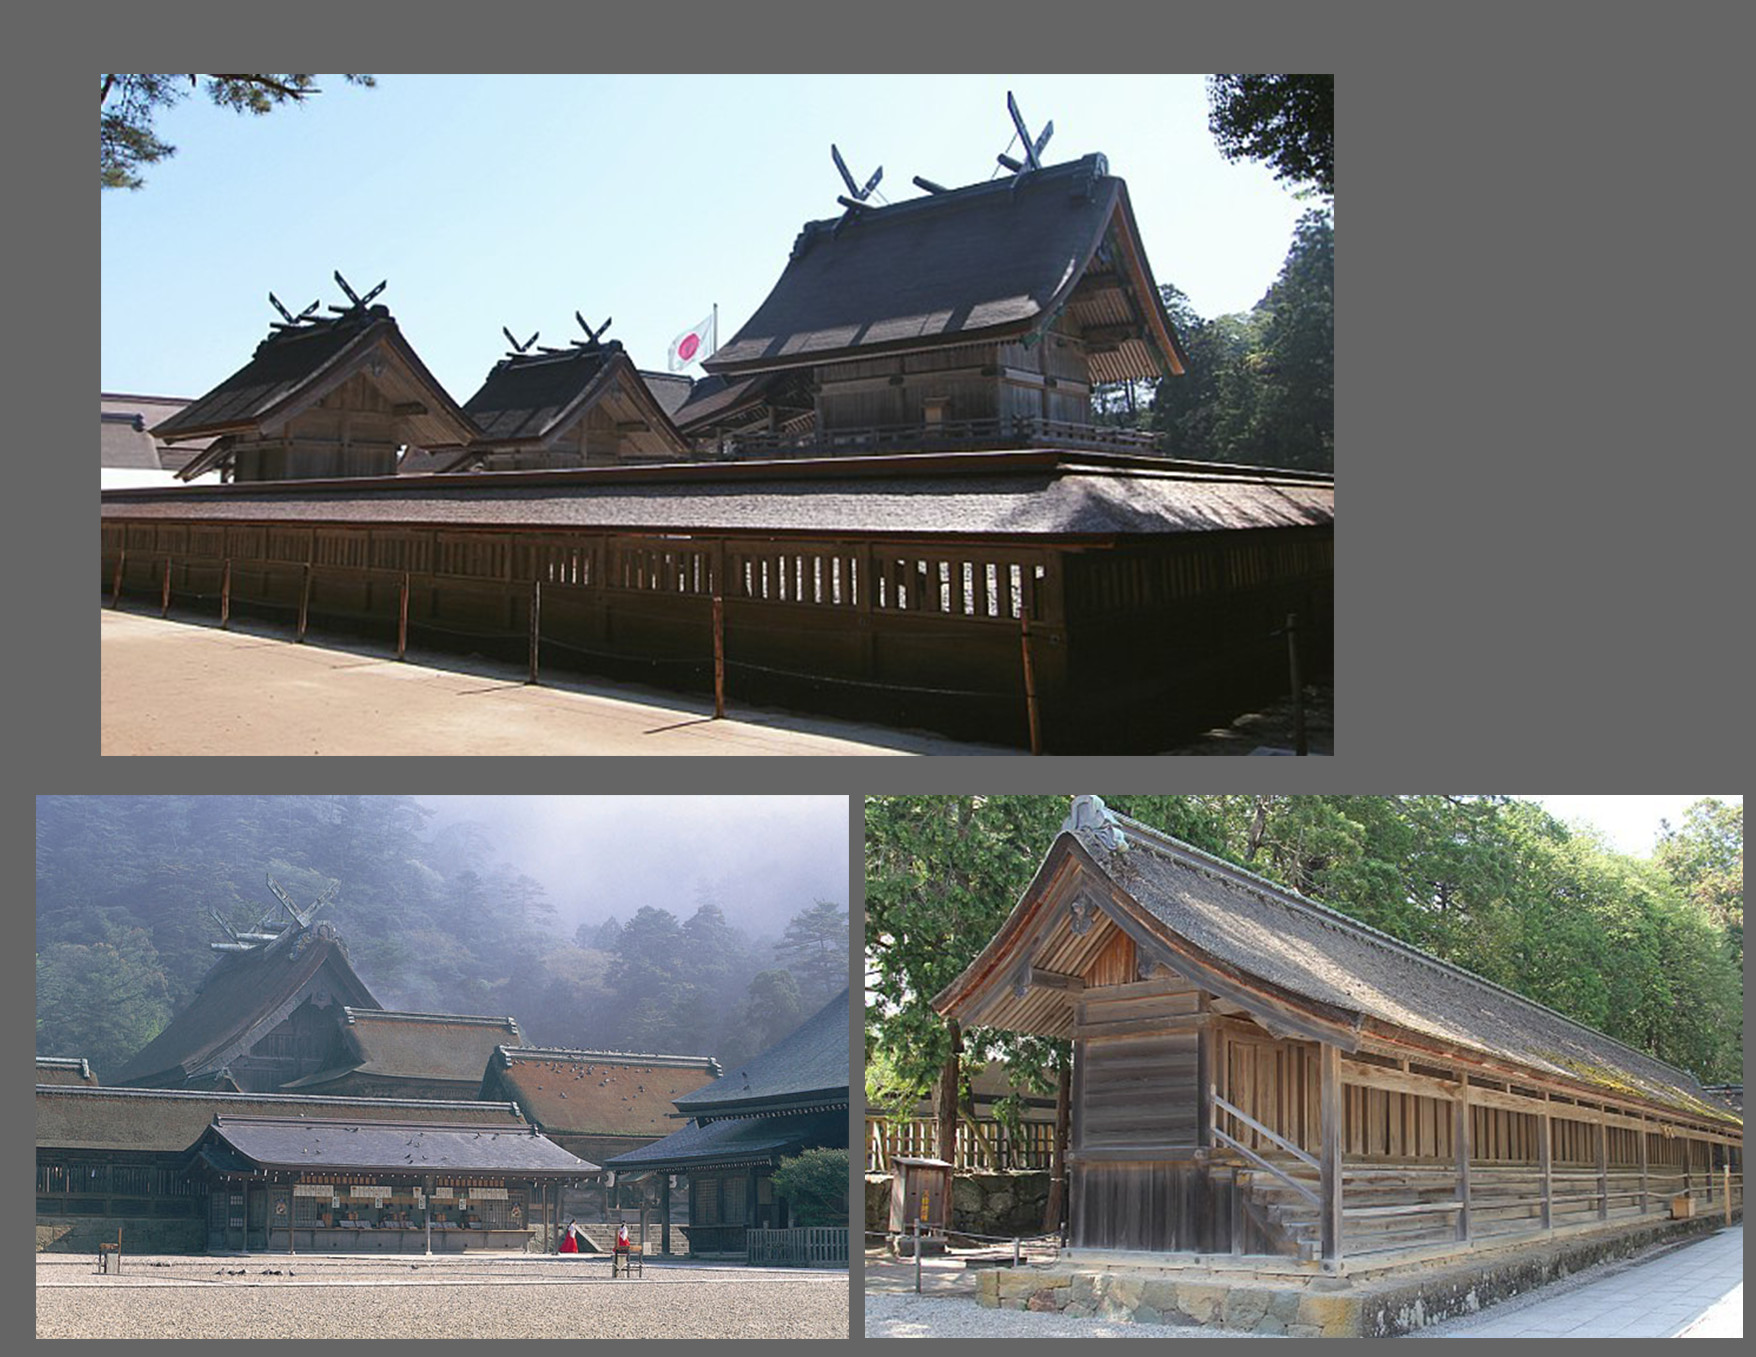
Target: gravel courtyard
509,1297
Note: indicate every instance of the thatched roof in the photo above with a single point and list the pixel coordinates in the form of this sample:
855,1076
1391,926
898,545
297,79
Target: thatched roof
171,1120
295,367
1278,954
1039,493
535,400
596,1093
997,260
255,1143
387,1044
244,996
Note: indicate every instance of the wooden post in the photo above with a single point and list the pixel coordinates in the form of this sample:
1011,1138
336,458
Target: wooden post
1299,745
225,618
665,1212
1329,1057
1726,1179
1030,682
1460,1144
1603,1169
402,618
1545,1163
116,588
427,1211
536,625
1643,1198
1204,1074
304,600
165,596
719,657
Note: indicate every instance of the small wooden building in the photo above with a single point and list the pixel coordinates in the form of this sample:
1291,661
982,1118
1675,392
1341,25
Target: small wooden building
975,317
791,1097
319,398
1255,1073
301,1183
586,405
110,1158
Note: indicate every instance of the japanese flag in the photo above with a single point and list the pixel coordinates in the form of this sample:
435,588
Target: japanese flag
691,345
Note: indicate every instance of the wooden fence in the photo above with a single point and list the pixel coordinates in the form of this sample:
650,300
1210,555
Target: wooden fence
982,1146
807,1246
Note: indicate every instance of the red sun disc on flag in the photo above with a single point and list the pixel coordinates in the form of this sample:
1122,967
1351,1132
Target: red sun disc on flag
686,350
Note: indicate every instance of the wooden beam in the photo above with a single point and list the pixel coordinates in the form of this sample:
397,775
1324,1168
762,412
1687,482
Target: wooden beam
1643,1166
1329,1061
1460,1137
1546,1164
1054,980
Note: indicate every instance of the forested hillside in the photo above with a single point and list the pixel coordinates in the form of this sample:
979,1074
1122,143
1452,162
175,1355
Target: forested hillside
1647,949
434,922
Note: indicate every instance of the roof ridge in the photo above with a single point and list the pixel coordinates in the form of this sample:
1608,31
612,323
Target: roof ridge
302,1098
353,1012
641,1056
1161,841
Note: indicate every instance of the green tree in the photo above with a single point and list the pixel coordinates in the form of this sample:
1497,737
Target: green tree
1287,121
773,1008
127,105
102,1000
814,1184
1704,857
815,949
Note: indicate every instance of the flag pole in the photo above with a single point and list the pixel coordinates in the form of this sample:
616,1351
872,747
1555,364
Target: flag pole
715,329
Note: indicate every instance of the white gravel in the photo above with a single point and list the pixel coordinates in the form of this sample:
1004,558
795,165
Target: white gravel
889,1315
536,1297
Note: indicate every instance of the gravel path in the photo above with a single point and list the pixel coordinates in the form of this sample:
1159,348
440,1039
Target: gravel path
516,1298
911,1316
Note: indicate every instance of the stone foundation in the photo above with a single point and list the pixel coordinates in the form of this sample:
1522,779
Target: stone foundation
1003,1204
1372,1305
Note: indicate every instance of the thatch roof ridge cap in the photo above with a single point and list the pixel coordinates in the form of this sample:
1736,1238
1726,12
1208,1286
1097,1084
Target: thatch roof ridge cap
1174,849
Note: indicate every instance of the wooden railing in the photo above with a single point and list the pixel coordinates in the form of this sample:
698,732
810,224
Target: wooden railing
806,1246
1011,431
982,1146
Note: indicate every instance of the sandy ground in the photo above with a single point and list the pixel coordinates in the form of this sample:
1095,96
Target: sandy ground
515,1297
172,687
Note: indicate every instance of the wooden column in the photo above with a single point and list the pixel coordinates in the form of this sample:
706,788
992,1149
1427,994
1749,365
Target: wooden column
1643,1198
402,618
719,657
1545,1159
1460,1136
665,1212
165,601
536,624
1030,683
1204,1048
304,600
1329,1058
226,596
116,588
1603,1169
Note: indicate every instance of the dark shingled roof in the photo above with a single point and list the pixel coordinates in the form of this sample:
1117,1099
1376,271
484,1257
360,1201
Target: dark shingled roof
669,389
392,1044
1304,950
596,1093
385,1146
1043,492
171,1119
243,996
805,1070
293,368
530,400
995,260
732,1144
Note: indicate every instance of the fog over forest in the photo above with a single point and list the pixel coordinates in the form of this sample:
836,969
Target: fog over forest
760,859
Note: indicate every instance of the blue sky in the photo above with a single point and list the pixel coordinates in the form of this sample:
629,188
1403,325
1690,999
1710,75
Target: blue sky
514,200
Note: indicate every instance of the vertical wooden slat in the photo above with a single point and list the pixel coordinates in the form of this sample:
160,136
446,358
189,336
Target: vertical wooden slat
536,627
1329,1056
225,620
402,617
1603,1170
304,600
165,595
719,657
1460,1136
116,588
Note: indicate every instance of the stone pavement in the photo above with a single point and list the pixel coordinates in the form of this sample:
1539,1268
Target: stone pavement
1695,1291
